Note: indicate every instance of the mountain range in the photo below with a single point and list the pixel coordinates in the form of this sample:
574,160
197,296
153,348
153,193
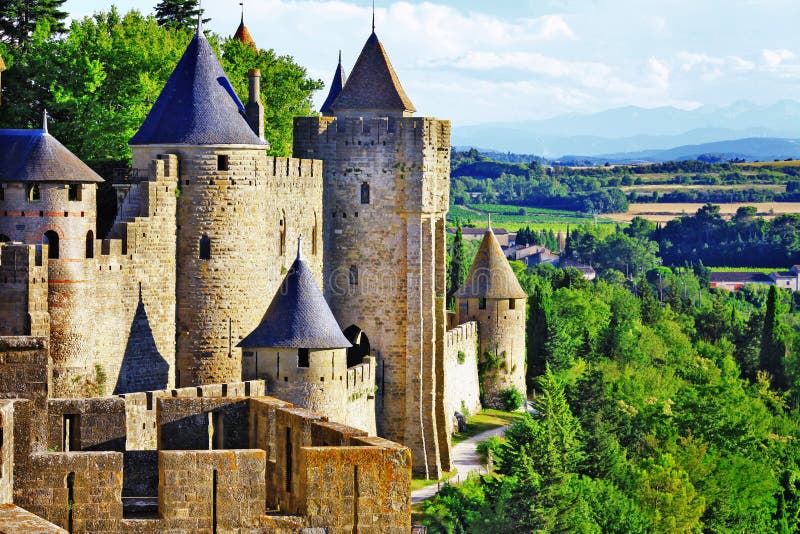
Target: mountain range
633,133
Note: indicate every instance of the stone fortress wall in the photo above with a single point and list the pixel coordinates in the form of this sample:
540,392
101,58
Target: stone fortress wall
251,208
462,390
386,193
228,458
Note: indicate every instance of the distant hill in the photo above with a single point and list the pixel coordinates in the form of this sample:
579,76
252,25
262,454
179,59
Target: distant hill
634,129
750,149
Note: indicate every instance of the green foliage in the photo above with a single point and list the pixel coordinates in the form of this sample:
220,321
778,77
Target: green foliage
457,271
461,356
181,14
286,89
512,398
18,20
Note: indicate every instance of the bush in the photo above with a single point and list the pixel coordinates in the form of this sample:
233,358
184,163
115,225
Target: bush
461,356
512,398
486,448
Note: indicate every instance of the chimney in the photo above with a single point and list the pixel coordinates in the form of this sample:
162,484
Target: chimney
254,108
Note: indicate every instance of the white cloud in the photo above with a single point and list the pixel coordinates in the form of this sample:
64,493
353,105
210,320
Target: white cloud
659,73
712,67
773,58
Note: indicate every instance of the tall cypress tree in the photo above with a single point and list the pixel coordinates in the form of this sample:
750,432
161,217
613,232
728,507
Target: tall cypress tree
458,266
540,304
179,13
773,349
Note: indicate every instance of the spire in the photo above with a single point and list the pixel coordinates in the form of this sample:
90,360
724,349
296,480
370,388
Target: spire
243,34
300,247
491,276
200,18
490,221
373,85
44,121
339,79
373,16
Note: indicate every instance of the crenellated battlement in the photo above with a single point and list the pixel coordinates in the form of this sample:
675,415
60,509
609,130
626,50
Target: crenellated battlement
23,286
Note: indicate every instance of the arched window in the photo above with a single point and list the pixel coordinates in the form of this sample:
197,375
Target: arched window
353,275
365,193
90,244
50,238
360,348
34,194
282,230
205,247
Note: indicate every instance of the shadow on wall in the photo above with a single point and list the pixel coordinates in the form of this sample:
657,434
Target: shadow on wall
143,368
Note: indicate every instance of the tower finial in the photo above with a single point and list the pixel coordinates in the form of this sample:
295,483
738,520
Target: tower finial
242,4
489,215
373,16
340,57
200,18
44,121
300,247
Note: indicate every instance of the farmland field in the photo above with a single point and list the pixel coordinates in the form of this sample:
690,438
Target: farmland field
512,219
662,212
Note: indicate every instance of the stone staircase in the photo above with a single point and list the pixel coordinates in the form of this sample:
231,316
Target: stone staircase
130,209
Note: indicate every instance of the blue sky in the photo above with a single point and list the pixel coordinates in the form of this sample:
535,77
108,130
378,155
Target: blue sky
476,61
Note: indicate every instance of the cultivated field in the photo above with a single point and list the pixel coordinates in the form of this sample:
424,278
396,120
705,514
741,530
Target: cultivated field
512,219
663,212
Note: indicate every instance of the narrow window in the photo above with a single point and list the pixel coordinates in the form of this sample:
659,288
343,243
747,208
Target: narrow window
365,193
278,366
302,358
214,502
2,193
74,192
481,304
222,163
314,236
70,439
205,247
90,244
282,236
34,194
50,238
353,275
70,483
512,304
217,420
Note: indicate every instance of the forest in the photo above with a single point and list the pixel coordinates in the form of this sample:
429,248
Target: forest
661,405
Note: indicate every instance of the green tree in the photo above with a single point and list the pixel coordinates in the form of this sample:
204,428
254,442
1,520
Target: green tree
458,267
773,348
540,303
180,14
18,19
286,89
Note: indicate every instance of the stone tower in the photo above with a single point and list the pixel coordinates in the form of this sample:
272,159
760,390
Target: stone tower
386,188
298,349
493,297
197,117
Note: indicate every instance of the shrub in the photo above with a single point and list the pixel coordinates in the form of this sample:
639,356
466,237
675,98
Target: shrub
461,356
512,398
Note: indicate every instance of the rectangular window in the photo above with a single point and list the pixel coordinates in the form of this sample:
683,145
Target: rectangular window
222,163
302,358
74,192
481,304
2,193
512,304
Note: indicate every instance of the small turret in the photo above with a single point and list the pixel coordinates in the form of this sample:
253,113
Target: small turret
243,34
299,349
493,297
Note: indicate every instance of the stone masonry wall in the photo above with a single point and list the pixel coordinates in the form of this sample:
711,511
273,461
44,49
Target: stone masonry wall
113,315
462,390
251,215
23,290
501,332
386,195
360,390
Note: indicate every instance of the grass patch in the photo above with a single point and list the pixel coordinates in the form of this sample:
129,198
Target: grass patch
509,217
419,483
486,420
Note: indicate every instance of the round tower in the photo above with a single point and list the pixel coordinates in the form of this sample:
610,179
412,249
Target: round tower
298,349
222,215
493,297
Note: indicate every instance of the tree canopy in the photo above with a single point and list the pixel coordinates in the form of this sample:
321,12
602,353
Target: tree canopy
181,14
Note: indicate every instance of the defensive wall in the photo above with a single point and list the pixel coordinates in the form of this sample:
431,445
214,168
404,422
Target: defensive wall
386,188
225,461
23,284
462,389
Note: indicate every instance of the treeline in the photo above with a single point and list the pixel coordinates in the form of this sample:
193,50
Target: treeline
721,196
661,406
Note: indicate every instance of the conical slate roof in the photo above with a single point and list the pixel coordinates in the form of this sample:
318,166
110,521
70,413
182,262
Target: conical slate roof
197,105
373,83
243,34
339,79
298,316
490,276
37,156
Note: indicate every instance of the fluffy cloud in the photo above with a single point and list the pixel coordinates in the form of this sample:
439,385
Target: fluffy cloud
773,58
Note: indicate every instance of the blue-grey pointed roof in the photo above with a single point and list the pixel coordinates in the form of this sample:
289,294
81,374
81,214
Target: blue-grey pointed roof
37,156
339,79
298,316
197,105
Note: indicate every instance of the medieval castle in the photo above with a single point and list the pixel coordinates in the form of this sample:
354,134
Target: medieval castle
226,358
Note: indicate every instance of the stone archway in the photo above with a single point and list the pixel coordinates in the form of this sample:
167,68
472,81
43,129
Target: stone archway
360,348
